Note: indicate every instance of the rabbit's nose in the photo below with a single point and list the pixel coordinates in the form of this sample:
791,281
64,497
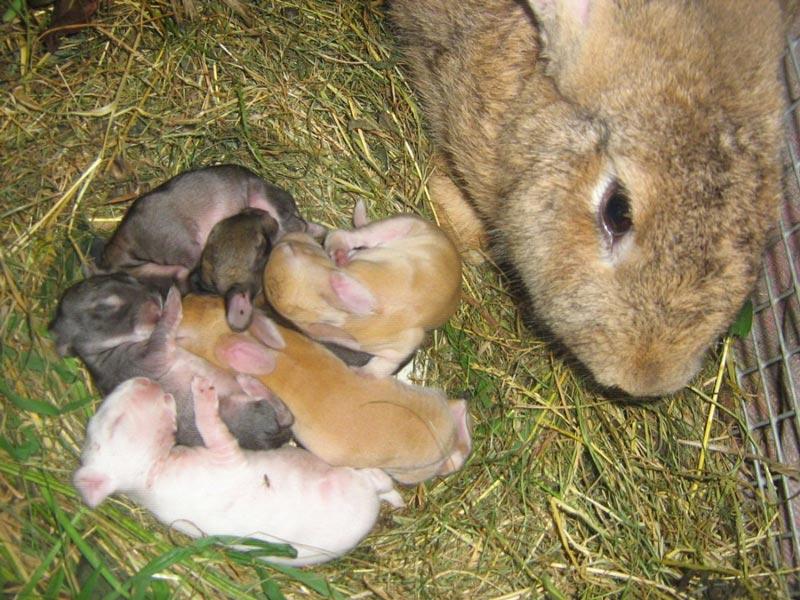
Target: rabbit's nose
649,369
659,376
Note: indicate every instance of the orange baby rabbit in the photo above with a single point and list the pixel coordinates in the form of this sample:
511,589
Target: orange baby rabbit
413,433
377,288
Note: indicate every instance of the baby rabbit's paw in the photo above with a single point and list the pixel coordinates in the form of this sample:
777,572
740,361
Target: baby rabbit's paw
204,395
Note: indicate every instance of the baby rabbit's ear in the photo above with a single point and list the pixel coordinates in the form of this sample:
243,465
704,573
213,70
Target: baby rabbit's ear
360,218
269,226
351,295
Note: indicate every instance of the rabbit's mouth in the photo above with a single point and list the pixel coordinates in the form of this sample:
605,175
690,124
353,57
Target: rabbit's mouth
646,370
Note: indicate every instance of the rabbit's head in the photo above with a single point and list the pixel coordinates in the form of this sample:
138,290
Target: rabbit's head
641,184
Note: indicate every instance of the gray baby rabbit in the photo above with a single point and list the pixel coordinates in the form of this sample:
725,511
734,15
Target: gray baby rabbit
122,328
162,235
623,154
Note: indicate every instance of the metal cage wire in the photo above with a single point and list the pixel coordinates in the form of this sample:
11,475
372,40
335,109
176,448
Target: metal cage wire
768,360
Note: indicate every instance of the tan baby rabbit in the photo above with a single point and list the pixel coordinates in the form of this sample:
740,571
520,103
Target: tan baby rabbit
412,433
377,288
623,155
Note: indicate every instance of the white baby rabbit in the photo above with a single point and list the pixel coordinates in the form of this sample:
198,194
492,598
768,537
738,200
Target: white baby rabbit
286,495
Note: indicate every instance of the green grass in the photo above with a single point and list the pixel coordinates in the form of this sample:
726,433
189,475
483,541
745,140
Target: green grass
567,494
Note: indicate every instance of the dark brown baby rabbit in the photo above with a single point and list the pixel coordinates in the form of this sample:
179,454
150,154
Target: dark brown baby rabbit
122,328
233,260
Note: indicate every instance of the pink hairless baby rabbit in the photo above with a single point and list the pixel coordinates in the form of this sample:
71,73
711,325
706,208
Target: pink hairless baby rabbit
285,495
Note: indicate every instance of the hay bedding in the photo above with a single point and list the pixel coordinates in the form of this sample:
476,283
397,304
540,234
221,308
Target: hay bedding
567,494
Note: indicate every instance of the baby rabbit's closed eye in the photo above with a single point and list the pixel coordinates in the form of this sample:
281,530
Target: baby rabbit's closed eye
624,154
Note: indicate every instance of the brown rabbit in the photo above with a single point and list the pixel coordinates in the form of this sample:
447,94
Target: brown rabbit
623,154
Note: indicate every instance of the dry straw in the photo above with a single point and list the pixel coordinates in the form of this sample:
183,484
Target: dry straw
567,493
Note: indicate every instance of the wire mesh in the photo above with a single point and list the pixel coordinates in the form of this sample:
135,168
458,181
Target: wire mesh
768,361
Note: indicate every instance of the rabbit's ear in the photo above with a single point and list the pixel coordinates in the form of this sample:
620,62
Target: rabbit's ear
563,25
360,218
566,12
351,295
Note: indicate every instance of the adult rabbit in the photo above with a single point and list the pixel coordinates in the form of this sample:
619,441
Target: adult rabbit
622,154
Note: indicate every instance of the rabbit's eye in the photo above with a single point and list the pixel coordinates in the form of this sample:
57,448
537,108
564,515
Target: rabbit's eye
615,211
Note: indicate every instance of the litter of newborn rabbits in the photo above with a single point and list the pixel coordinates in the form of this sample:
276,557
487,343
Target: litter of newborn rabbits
566,493
231,392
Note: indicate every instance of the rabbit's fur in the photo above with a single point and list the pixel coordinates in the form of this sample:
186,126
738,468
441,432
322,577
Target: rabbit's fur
539,110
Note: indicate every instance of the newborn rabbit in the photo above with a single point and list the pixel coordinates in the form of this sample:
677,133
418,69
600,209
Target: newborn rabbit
283,496
377,288
232,262
121,328
161,237
411,432
624,155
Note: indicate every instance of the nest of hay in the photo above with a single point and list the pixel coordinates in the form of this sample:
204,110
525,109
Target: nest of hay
567,493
